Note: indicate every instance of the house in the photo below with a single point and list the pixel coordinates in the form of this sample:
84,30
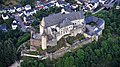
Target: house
27,19
27,25
1,11
102,1
80,1
4,10
5,16
28,7
118,4
14,25
18,8
95,3
27,13
68,8
52,4
3,28
11,10
36,9
32,11
63,11
85,9
20,13
40,6
74,6
47,6
61,3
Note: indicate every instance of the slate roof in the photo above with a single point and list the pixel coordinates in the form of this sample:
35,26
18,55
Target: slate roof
59,17
68,8
18,6
62,2
94,1
65,22
97,31
4,14
3,27
98,21
81,1
28,6
91,18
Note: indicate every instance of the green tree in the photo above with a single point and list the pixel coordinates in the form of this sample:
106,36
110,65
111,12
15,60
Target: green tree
8,53
30,2
80,54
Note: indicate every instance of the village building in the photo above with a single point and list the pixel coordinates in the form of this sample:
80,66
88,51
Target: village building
3,28
5,16
28,7
18,8
14,25
11,10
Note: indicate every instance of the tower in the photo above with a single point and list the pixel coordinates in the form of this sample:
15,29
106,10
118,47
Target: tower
42,25
31,32
44,41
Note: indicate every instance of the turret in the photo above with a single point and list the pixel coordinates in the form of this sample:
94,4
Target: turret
42,25
44,41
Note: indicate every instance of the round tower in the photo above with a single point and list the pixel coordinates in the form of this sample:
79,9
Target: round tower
31,32
44,41
42,24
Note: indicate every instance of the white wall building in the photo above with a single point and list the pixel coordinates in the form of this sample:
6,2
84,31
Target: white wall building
5,16
14,25
28,7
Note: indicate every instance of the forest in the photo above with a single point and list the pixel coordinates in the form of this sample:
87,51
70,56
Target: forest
104,53
11,3
10,40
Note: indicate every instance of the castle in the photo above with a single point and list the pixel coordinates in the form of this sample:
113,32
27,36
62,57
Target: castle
55,26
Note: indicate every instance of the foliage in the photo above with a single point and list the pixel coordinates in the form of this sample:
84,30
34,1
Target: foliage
8,2
26,2
30,62
43,13
7,22
8,53
71,1
72,39
92,23
8,46
23,39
